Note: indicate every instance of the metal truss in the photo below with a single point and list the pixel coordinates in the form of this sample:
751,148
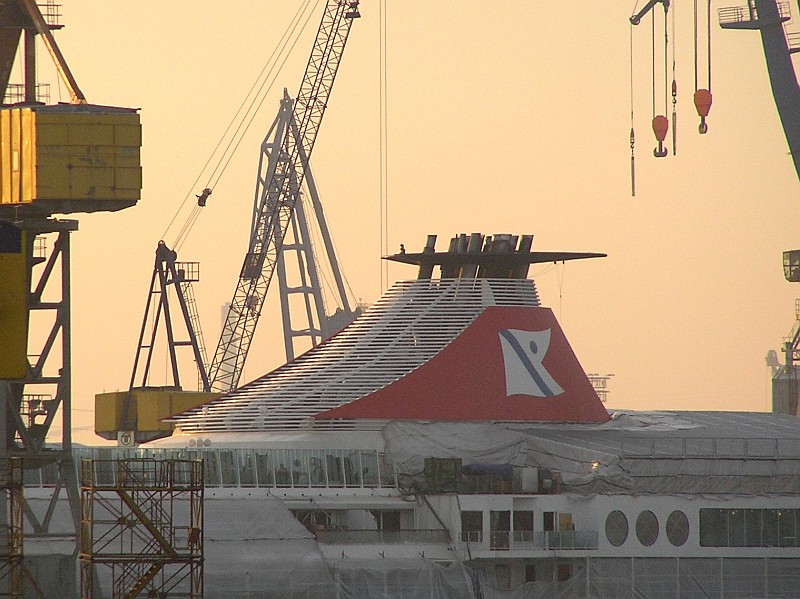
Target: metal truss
29,406
178,276
13,572
141,528
277,193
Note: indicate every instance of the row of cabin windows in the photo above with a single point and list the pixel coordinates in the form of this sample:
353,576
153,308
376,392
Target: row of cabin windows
266,467
719,527
472,521
500,525
725,527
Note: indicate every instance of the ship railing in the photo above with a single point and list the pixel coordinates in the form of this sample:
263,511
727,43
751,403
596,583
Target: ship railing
745,14
472,536
364,537
245,468
522,540
718,448
142,473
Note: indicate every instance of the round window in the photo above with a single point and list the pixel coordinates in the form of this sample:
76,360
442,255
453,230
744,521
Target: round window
647,528
616,528
677,528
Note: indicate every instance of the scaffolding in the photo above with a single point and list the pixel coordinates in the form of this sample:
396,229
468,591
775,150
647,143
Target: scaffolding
141,532
13,571
11,529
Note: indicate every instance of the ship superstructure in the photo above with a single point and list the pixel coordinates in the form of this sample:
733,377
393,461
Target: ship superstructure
448,443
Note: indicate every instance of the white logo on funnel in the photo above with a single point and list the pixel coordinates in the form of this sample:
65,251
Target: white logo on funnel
523,352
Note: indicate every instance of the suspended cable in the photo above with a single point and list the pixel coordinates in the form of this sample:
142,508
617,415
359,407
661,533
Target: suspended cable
268,73
674,90
660,121
695,45
666,61
264,96
708,34
702,96
633,137
384,200
653,58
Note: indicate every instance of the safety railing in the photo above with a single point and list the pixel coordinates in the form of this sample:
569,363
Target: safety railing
359,537
264,468
528,540
744,14
711,447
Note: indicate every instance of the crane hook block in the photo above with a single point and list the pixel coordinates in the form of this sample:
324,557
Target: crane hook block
203,197
702,101
660,128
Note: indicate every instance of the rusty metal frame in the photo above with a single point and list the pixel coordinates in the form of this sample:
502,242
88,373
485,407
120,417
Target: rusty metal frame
142,523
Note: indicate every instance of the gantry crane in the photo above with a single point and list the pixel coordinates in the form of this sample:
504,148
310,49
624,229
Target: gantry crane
768,18
49,167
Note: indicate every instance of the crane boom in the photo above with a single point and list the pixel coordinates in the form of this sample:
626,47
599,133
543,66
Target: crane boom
768,17
277,192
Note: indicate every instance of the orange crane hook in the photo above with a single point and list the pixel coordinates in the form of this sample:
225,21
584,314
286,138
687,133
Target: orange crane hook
660,128
702,101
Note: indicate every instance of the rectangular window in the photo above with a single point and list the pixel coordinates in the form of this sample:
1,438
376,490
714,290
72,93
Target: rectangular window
298,459
369,468
500,529
472,527
316,468
388,520
212,468
787,523
753,528
247,470
736,522
549,521
523,526
530,573
264,468
748,528
770,533
713,527
228,467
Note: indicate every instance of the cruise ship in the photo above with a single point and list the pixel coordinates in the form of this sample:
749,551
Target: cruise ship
449,444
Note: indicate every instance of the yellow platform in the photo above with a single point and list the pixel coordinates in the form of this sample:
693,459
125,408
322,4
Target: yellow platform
148,407
64,159
13,303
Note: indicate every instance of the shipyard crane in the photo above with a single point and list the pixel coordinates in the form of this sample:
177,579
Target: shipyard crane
768,18
279,225
277,194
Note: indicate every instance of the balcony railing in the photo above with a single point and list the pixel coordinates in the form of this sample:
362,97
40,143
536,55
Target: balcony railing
522,540
472,536
359,537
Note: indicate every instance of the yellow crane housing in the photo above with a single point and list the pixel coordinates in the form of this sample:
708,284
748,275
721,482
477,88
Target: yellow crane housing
69,158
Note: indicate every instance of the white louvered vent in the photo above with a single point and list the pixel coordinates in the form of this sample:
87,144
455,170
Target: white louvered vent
409,325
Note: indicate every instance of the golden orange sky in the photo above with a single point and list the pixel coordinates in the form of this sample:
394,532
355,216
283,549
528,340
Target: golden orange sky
502,117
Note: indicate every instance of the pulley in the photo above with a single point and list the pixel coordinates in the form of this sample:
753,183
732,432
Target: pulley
660,128
702,101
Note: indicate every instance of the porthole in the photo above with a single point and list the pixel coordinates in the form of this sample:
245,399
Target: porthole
616,528
677,528
647,528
